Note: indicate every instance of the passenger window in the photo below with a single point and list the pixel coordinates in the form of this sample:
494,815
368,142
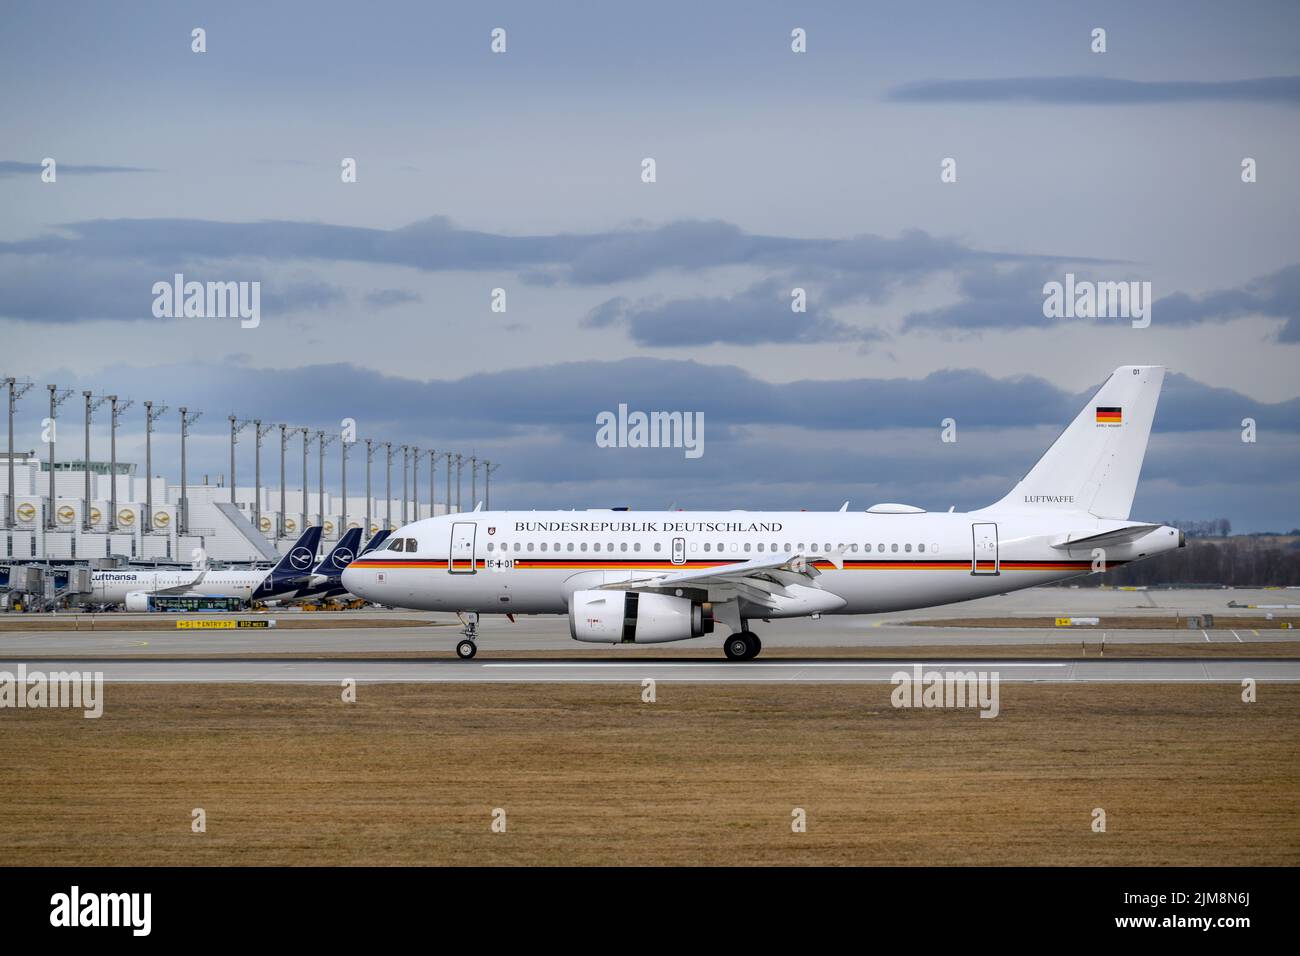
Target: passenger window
907,548
707,546
787,547
623,546
747,548
543,545
880,547
530,546
637,546
760,546
920,547
583,546
656,546
490,546
813,549
570,548
893,547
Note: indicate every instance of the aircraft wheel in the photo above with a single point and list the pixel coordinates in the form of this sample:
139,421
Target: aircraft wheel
466,649
742,646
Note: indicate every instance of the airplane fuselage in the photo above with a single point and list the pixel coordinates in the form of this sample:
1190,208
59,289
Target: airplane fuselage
112,587
532,562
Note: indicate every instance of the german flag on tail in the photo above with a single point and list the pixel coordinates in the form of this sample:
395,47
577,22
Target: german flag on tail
1109,415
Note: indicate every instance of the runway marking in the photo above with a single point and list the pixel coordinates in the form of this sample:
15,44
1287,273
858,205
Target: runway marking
1238,637
1207,637
699,680
738,664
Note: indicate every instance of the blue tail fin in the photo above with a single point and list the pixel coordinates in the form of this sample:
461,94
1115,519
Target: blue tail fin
341,555
373,544
294,569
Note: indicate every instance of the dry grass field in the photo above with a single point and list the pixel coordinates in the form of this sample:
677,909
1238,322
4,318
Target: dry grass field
587,774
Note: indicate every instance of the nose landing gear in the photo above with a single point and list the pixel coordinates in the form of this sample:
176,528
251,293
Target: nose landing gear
466,649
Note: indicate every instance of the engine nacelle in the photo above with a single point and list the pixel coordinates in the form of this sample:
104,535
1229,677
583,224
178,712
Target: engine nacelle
631,617
136,601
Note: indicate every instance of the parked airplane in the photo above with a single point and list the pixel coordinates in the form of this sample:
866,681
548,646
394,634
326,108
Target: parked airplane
133,588
325,576
654,577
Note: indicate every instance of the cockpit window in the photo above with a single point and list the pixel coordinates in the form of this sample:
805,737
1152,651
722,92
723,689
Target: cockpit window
397,544
411,545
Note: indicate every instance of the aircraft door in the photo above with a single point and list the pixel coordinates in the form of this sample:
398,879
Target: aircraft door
984,554
460,558
679,550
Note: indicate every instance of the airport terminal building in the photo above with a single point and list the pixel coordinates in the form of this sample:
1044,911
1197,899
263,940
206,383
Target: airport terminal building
82,513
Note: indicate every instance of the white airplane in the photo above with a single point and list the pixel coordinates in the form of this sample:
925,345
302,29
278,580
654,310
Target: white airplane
652,577
133,588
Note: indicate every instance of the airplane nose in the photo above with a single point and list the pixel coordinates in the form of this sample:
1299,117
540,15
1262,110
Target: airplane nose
355,581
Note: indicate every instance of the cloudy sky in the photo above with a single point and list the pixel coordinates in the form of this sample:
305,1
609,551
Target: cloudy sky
774,170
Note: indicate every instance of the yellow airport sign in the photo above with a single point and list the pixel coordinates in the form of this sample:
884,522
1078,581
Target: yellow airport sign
208,625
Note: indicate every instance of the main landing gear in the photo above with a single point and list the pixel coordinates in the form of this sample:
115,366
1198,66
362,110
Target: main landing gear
467,648
742,646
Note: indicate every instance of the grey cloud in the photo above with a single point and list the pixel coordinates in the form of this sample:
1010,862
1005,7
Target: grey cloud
862,264
1100,90
568,395
1002,297
9,167
1276,296
760,314
66,289
383,298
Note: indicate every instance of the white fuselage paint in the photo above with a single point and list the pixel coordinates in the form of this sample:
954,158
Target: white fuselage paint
530,562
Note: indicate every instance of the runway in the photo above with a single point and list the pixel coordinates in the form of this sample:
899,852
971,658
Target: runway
531,671
114,634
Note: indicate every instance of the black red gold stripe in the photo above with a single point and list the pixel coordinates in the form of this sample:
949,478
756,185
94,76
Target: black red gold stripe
585,564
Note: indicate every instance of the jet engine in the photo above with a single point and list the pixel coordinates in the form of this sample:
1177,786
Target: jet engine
633,617
136,601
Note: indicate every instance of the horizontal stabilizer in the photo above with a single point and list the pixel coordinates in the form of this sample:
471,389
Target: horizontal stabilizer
1104,539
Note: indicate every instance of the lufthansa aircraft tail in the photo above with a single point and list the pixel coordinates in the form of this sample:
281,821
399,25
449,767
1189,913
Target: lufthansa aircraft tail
294,569
1093,466
379,538
332,565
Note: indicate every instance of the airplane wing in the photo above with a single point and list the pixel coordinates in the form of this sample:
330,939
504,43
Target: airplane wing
755,581
183,588
1105,538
